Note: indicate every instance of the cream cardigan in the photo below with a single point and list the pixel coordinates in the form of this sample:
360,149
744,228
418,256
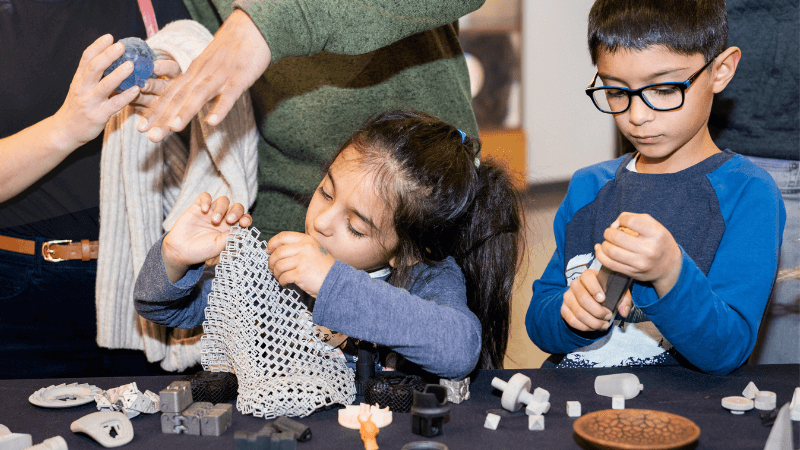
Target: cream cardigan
144,187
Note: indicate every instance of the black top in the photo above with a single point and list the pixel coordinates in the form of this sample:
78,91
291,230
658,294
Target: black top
42,45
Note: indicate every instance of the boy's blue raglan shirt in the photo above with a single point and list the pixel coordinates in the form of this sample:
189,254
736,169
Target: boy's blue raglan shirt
727,216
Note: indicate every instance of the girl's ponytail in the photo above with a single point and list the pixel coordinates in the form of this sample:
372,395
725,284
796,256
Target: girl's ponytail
487,250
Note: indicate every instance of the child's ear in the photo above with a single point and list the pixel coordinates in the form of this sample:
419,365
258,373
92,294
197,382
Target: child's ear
725,66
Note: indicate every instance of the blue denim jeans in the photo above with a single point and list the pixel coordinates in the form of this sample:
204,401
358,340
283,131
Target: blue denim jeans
48,323
779,335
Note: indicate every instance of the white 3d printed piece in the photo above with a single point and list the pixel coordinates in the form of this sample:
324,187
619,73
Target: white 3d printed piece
617,401
794,406
14,441
737,405
492,421
781,437
750,391
262,332
625,384
64,395
53,443
536,408
536,422
515,392
574,409
129,400
348,416
765,400
108,428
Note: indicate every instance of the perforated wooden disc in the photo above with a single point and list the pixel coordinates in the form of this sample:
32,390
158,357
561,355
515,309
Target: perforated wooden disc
640,429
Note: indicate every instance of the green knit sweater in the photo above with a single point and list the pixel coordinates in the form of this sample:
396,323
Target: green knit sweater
336,63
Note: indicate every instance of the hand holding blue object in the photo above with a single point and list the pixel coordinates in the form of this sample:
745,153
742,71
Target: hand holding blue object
142,56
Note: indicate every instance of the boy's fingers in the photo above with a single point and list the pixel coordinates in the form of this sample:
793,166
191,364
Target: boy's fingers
625,304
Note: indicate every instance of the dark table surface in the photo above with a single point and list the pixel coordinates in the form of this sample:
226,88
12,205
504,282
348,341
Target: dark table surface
674,390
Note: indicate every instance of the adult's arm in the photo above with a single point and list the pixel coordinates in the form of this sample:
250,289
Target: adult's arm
430,325
258,33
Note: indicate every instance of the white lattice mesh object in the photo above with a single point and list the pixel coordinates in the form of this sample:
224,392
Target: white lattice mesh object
262,332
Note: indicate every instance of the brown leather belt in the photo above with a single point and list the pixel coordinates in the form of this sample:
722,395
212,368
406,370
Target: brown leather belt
53,251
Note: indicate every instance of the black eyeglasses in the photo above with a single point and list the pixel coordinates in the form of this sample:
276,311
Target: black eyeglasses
658,96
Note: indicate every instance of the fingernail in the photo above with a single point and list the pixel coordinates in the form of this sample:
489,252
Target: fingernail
177,122
128,65
231,217
155,134
600,297
212,119
608,316
217,217
142,125
623,309
608,324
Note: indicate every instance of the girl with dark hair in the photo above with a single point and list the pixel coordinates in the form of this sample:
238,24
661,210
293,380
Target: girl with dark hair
406,201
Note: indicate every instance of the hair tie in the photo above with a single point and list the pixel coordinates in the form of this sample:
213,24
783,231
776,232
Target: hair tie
477,160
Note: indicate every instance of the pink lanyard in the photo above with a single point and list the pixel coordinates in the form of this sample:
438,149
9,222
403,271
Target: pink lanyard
149,17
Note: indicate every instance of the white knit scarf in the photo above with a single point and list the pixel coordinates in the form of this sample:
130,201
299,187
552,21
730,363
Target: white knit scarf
144,187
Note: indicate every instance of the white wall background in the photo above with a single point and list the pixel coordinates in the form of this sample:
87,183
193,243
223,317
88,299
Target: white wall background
564,131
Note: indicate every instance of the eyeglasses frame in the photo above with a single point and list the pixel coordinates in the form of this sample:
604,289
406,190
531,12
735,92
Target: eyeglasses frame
682,85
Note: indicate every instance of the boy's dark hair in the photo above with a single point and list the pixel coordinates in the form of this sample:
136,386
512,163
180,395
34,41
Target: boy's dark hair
683,26
446,206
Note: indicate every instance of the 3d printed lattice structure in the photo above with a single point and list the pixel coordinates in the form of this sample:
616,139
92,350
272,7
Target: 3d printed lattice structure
263,333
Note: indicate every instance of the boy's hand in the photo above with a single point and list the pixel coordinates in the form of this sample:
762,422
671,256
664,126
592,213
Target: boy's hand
581,307
200,233
90,103
652,256
299,258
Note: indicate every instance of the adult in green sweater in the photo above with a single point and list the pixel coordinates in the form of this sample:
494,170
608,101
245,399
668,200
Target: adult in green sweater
316,71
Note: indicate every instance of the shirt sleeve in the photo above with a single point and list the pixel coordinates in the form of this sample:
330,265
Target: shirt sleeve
304,27
713,320
430,325
178,305
543,320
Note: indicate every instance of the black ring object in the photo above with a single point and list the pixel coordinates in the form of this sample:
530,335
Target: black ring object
424,445
394,391
213,387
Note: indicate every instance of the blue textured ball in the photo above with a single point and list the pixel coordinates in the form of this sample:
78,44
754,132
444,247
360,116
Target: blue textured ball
142,56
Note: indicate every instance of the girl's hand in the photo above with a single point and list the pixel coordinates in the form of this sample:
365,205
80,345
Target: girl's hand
200,233
90,102
298,258
652,256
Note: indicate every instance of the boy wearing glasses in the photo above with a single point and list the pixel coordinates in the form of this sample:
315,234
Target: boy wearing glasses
698,229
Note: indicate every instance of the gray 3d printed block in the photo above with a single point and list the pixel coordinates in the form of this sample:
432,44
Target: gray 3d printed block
217,419
176,397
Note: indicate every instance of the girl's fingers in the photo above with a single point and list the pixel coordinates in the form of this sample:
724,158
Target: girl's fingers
234,213
219,208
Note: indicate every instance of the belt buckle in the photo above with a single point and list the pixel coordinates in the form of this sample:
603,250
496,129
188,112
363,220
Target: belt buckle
47,253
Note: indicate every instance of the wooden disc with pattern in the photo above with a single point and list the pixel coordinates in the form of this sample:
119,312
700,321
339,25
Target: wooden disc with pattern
631,429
